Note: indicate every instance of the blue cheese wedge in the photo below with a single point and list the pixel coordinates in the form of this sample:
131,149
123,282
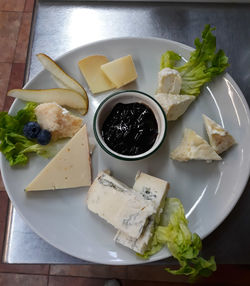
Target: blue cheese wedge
70,168
121,206
193,147
169,81
174,105
219,138
155,190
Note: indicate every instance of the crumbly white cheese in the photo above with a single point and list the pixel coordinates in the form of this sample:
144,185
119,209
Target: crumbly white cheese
57,120
169,81
121,206
153,189
219,138
193,147
174,105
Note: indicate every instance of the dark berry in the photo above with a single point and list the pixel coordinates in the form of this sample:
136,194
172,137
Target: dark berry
31,129
44,136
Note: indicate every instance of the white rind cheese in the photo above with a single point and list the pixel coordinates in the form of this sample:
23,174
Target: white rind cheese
174,105
119,205
153,189
70,168
169,81
219,138
193,147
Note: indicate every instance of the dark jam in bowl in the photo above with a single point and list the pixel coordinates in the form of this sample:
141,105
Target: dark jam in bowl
130,129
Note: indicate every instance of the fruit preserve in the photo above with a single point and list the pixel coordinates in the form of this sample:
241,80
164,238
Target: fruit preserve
130,129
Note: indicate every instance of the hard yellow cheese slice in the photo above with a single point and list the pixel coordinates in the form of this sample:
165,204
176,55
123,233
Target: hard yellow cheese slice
96,79
70,168
120,71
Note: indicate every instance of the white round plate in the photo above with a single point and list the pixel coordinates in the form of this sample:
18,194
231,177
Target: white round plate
207,191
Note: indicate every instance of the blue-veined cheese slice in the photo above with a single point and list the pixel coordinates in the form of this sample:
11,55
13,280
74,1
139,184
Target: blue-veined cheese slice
193,147
155,190
121,206
219,138
70,168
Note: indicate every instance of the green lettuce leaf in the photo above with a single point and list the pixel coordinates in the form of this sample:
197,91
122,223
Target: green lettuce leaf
14,145
203,65
185,246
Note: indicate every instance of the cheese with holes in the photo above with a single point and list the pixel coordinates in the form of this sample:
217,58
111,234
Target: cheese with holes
219,138
90,68
155,190
169,81
120,71
121,206
193,147
174,105
70,168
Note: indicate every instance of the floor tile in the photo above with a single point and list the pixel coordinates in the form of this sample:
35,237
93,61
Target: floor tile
74,281
97,271
24,268
3,214
12,5
9,28
5,70
23,38
29,5
7,279
15,81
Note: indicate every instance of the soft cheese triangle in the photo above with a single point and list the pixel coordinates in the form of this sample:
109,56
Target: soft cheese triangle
121,206
155,190
70,168
174,105
169,81
193,147
219,138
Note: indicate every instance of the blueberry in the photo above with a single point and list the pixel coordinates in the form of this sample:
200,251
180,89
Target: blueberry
31,129
44,136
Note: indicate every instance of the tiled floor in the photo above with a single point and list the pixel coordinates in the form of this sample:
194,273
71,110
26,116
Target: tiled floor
15,22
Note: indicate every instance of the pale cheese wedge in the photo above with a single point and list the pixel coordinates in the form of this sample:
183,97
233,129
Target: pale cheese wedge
90,68
70,168
174,105
193,147
219,138
120,71
169,81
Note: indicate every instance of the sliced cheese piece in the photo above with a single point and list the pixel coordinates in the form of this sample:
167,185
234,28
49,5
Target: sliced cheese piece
70,168
219,138
120,71
155,190
121,206
169,81
174,105
90,68
193,147
51,116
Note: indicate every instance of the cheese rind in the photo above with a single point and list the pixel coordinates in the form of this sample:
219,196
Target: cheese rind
174,105
119,205
219,138
70,168
169,81
153,189
193,147
120,71
90,68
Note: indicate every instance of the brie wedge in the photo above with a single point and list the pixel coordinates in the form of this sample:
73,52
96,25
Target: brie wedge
152,189
193,147
169,81
121,206
70,168
219,138
174,105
